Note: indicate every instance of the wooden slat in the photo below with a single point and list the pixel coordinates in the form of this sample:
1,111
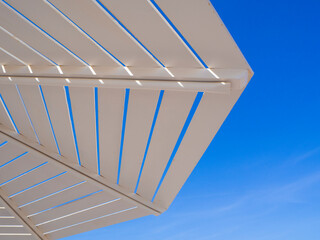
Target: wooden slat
84,216
44,172
91,201
173,113
63,31
140,113
58,109
6,59
4,119
59,183
60,198
206,34
30,35
9,152
12,230
18,167
18,113
102,222
4,212
17,238
207,120
141,19
33,101
110,124
82,102
18,49
105,31
25,232
8,221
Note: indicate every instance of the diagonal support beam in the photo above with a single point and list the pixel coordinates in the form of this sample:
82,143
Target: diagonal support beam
13,209
78,171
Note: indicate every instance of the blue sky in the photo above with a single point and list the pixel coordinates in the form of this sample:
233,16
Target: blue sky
260,177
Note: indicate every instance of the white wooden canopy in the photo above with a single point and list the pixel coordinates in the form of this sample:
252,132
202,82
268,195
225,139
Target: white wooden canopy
106,108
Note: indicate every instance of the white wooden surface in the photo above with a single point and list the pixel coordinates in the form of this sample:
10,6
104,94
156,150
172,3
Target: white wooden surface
76,35
141,109
11,228
15,105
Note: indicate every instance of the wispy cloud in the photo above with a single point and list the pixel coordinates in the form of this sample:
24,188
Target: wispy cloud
272,195
290,192
305,156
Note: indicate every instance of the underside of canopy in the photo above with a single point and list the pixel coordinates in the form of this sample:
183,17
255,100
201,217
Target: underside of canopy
106,107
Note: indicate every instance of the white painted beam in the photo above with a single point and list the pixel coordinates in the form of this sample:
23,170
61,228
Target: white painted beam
222,87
